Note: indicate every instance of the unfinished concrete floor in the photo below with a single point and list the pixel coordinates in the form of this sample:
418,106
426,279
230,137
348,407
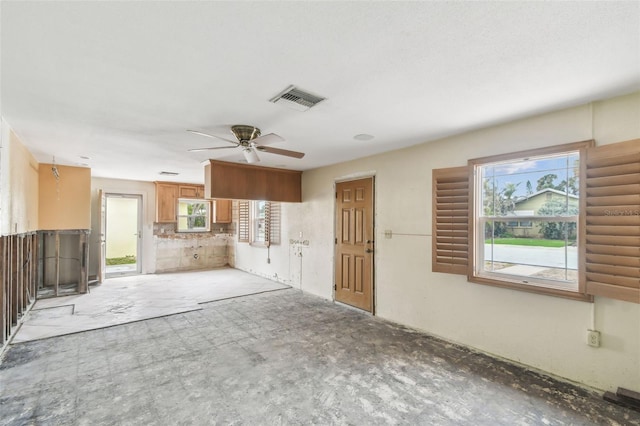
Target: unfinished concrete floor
281,357
138,297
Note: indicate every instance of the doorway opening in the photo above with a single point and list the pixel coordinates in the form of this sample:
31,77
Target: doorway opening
355,245
122,234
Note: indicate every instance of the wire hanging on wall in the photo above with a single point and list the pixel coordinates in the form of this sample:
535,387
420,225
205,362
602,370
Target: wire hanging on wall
56,174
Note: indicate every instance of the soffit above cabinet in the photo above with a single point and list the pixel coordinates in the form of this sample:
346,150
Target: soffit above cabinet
247,182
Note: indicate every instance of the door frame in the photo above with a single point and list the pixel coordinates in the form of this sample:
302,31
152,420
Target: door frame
140,201
351,178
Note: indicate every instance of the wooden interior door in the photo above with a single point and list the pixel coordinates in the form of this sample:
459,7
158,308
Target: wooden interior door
354,243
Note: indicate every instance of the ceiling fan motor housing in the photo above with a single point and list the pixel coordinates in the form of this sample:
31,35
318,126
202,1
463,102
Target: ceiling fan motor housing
243,132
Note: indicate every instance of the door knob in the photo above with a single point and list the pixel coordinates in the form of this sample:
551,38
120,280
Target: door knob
369,251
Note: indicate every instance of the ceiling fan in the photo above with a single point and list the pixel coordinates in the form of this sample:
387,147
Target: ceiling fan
249,139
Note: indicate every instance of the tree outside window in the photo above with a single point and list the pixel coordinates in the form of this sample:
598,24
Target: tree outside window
194,215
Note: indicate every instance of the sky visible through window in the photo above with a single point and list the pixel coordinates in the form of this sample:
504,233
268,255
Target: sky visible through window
529,176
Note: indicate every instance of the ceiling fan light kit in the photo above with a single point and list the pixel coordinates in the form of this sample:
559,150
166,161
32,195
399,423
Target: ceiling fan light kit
250,155
250,140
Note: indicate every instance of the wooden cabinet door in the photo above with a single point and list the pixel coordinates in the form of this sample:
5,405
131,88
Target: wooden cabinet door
166,199
191,191
188,191
222,211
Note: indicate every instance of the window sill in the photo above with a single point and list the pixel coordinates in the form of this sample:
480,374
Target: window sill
573,295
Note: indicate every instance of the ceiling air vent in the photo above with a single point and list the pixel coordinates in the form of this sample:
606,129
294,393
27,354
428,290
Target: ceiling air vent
297,99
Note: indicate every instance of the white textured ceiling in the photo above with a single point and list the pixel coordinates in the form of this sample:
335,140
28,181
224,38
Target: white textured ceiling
120,82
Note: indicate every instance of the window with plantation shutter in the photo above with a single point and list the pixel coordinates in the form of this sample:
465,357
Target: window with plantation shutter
545,187
243,221
259,222
450,221
612,232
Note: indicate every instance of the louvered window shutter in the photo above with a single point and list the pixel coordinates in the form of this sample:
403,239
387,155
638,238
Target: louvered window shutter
243,221
267,223
450,218
612,231
272,225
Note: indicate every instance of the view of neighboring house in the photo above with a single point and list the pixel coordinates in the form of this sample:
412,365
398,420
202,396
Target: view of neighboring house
531,205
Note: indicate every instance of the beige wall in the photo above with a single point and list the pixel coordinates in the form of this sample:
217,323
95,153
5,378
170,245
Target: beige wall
547,333
64,203
18,185
280,262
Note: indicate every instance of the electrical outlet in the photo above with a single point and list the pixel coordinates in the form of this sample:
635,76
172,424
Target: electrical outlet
593,338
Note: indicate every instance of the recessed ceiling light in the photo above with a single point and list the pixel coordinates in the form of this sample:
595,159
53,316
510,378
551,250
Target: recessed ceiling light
363,137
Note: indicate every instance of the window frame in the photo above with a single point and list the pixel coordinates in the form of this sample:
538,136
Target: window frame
193,201
475,230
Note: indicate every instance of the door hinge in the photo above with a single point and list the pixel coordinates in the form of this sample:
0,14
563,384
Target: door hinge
336,240
336,195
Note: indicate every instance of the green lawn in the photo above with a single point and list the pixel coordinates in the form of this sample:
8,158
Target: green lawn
127,260
537,242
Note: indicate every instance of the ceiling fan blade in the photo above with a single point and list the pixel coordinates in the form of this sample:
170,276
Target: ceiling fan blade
279,151
195,132
267,139
209,149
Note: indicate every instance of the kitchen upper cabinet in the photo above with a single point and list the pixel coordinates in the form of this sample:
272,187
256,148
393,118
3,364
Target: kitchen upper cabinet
190,191
222,211
166,199
168,194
